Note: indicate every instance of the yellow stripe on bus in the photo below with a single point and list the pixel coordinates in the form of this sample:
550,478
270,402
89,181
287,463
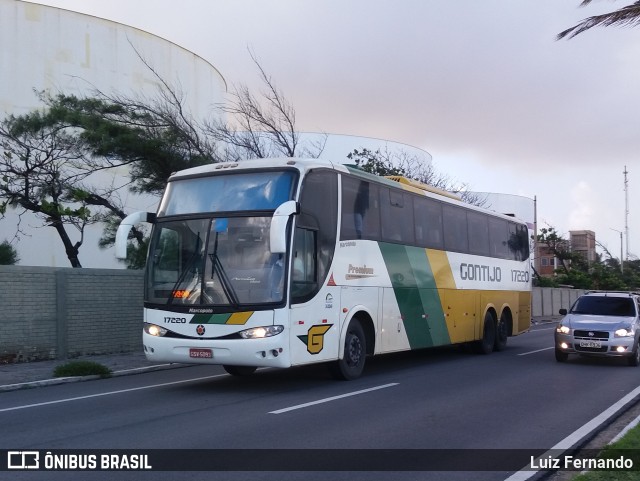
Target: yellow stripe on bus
446,285
239,317
441,269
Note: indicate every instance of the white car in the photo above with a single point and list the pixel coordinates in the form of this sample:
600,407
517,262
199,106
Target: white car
600,324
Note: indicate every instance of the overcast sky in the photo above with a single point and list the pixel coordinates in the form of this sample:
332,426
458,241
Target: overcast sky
481,85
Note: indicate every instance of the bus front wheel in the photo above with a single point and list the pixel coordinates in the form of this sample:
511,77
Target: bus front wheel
355,353
239,370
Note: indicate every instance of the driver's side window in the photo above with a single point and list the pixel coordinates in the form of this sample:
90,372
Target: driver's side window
304,278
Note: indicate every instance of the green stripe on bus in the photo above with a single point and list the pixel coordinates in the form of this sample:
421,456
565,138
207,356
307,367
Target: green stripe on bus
416,294
210,319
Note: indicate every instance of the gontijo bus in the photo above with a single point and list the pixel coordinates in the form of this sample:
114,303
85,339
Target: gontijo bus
286,262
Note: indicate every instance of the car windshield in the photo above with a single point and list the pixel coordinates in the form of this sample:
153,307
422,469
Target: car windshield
604,306
214,262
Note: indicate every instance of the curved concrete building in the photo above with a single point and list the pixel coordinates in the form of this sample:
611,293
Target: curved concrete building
47,48
50,48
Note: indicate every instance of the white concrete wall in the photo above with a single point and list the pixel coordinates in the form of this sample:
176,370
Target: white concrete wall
547,301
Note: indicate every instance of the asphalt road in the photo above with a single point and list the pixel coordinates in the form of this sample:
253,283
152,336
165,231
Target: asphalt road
450,400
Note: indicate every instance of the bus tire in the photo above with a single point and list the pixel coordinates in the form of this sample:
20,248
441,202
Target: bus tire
240,370
502,333
355,353
488,341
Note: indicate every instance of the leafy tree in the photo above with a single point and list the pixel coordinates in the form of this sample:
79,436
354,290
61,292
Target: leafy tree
39,166
625,16
8,254
559,246
402,163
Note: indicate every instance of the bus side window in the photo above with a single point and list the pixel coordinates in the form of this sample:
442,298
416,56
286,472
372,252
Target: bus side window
455,229
428,214
518,241
360,210
478,233
498,238
396,209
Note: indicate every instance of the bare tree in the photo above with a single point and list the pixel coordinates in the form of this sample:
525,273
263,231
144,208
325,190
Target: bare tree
628,16
260,127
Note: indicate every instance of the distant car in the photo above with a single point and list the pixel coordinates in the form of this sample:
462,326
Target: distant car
600,324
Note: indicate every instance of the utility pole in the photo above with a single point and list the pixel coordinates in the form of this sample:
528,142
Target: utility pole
621,251
626,210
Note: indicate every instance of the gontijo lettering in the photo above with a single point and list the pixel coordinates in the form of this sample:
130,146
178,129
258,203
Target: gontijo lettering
478,272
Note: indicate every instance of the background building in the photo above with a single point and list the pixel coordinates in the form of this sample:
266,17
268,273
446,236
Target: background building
583,242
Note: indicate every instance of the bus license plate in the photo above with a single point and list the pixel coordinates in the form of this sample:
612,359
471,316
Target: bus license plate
200,353
594,344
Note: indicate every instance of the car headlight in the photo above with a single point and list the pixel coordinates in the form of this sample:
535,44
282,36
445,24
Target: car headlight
624,332
154,330
561,329
260,332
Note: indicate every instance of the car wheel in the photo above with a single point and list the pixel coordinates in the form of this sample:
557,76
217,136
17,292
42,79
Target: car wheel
355,353
634,360
561,356
488,341
240,370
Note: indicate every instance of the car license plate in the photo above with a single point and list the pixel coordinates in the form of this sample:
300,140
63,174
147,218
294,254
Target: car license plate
200,353
594,344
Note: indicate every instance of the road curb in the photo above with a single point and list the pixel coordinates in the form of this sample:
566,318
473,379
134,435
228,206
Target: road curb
70,379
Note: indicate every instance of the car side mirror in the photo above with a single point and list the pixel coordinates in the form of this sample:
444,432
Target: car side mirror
563,312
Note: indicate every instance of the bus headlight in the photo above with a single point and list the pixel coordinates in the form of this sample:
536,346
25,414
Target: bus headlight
154,330
260,332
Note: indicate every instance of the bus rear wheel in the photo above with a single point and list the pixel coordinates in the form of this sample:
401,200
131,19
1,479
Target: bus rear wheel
239,370
502,332
488,341
355,353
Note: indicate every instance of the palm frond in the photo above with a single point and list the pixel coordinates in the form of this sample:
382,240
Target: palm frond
628,16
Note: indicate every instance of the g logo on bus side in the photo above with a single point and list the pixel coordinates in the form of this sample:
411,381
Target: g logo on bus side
315,338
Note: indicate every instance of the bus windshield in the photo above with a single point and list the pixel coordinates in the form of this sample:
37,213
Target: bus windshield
214,262
228,192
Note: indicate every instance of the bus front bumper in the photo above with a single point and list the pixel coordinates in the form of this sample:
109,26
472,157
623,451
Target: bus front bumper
265,352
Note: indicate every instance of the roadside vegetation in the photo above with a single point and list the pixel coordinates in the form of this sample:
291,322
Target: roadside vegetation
81,368
628,446
8,254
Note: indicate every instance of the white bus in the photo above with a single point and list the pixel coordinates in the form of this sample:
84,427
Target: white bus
286,262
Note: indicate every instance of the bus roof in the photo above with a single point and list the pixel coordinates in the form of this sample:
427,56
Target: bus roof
304,164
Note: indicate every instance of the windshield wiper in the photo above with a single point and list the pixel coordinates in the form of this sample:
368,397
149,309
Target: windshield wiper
216,266
186,269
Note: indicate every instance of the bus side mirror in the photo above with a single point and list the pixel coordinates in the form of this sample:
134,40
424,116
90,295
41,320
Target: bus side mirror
278,230
124,228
